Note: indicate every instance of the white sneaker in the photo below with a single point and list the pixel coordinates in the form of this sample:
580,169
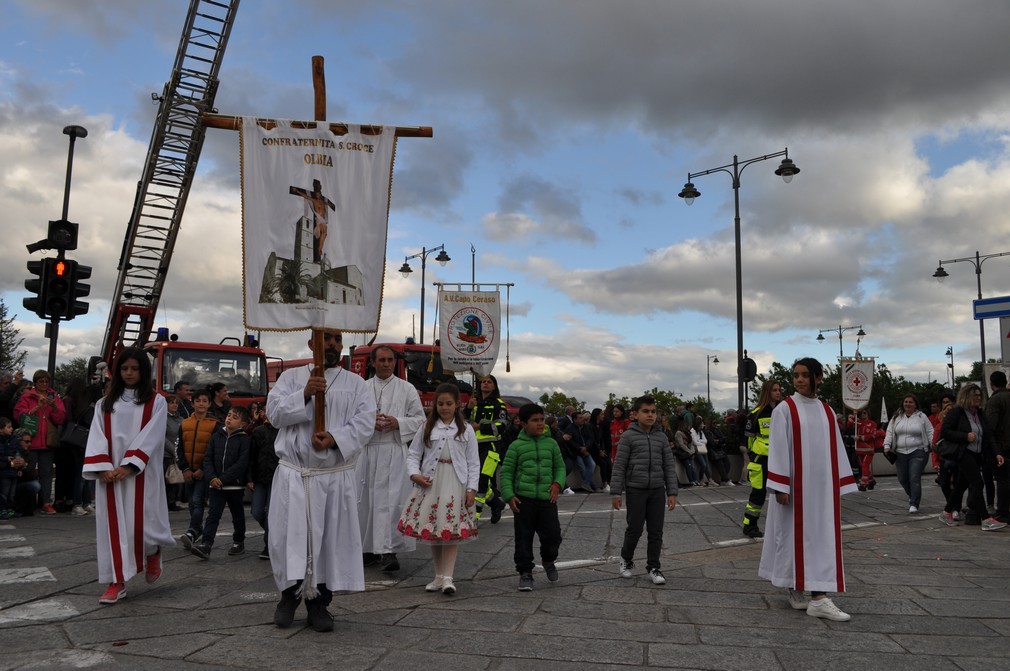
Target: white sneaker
626,567
657,577
606,490
78,511
825,608
912,510
568,490
435,585
798,600
90,507
956,515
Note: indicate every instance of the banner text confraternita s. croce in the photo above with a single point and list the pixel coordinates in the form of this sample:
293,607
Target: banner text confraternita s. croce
469,326
314,218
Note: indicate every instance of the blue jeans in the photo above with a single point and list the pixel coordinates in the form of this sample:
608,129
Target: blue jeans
909,468
217,499
586,467
196,491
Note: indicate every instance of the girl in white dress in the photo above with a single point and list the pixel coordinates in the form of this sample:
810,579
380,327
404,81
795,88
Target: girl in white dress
444,466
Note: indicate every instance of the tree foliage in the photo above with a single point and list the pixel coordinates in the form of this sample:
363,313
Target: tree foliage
66,372
556,402
12,357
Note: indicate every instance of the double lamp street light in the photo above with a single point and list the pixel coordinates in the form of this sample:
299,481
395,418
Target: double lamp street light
976,261
786,170
406,270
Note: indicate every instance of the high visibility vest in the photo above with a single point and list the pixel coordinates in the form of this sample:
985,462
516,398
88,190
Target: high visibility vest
758,443
494,413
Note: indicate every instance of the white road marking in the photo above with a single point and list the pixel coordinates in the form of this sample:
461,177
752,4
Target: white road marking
49,610
21,552
12,539
10,576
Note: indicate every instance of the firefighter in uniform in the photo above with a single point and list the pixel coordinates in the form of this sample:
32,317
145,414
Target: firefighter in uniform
488,415
756,430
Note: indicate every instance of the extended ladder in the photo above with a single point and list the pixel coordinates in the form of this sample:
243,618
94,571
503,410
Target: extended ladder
168,174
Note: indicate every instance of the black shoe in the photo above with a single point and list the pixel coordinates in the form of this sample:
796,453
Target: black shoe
188,540
265,553
370,559
871,485
174,508
525,582
389,563
319,618
552,572
201,551
752,531
497,506
236,549
861,488
284,614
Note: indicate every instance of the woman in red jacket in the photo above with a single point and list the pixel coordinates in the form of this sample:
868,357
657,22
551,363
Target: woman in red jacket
45,404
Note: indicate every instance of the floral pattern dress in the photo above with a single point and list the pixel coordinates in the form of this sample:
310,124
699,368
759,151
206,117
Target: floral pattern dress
438,514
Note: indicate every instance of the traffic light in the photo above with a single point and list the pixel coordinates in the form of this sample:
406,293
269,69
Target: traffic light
56,295
78,289
36,286
62,234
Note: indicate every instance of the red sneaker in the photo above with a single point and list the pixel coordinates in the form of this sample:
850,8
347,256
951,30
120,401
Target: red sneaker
47,509
114,593
153,570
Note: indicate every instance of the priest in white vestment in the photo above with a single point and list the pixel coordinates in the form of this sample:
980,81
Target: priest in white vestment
314,487
383,483
124,454
808,471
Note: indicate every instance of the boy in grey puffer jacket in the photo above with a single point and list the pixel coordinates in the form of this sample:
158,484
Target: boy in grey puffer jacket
644,468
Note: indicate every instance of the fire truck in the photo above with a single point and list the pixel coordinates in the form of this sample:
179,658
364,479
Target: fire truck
420,365
176,143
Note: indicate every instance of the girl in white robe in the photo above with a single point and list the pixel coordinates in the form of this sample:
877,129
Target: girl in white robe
125,455
808,471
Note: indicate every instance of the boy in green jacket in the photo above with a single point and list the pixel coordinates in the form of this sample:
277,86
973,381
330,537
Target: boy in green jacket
531,478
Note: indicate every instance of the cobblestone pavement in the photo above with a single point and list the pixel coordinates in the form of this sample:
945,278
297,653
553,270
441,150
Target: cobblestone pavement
921,595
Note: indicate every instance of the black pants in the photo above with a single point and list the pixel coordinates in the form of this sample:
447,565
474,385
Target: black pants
602,460
540,518
969,478
720,466
646,508
1002,477
216,500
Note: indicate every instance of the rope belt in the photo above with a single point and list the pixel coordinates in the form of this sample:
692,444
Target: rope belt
308,589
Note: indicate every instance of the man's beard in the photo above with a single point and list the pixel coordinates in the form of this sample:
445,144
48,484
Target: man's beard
331,358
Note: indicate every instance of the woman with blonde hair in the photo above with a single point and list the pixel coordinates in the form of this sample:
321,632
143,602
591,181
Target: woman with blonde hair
966,427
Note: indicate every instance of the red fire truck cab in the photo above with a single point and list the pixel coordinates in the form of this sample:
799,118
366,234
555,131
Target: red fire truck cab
243,369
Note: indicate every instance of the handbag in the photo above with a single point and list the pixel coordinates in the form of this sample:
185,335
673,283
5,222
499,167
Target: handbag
30,423
76,434
52,434
890,456
173,474
946,449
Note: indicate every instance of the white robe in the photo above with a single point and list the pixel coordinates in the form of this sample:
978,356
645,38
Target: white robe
131,516
336,539
383,483
806,459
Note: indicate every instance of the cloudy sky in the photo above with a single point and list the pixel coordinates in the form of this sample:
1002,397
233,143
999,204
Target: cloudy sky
563,133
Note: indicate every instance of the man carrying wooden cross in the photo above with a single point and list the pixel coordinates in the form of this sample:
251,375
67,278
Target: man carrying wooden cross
315,540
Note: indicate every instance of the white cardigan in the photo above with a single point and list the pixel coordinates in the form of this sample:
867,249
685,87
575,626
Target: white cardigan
422,460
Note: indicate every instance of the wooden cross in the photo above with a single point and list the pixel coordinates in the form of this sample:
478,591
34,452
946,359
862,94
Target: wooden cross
227,122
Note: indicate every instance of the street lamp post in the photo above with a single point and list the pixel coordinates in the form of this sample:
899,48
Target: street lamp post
709,360
977,261
406,270
860,334
786,170
840,329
